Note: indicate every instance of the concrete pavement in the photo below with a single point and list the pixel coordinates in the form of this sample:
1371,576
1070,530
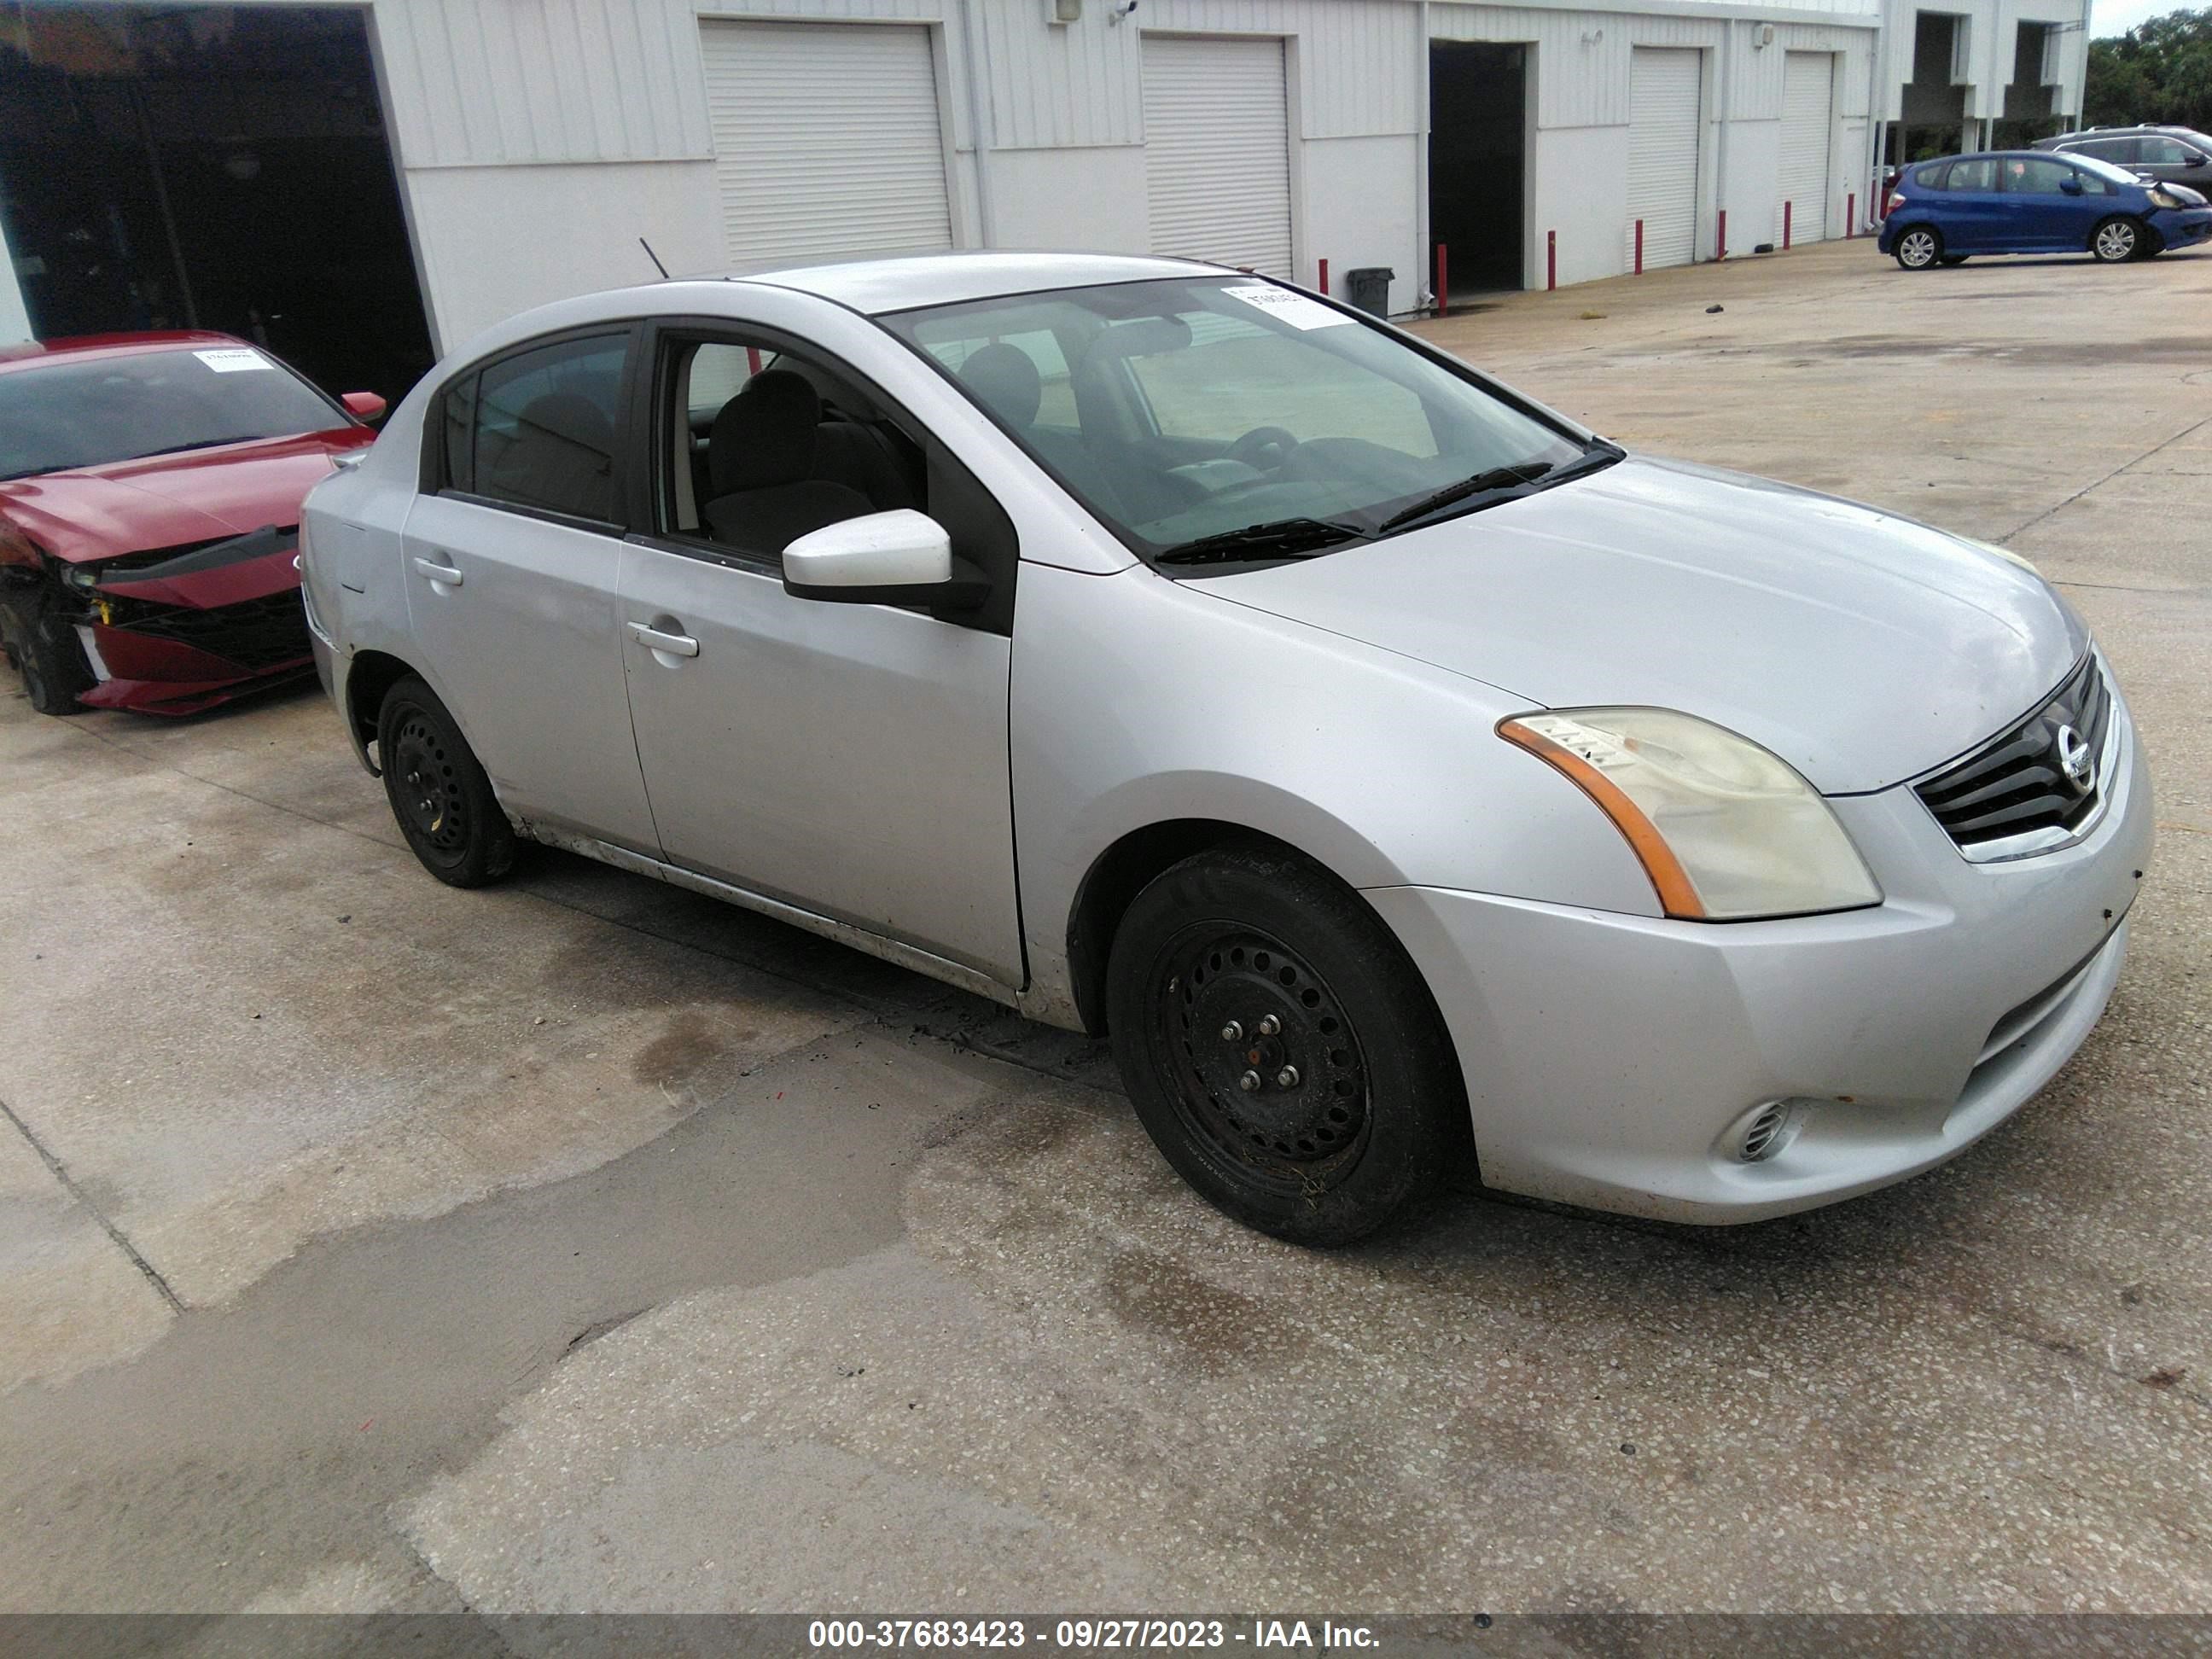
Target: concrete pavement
581,1244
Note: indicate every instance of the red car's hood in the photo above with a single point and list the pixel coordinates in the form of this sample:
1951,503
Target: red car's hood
167,501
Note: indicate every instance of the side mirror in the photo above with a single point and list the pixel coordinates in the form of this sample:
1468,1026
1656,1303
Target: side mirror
364,406
2070,184
899,557
2194,159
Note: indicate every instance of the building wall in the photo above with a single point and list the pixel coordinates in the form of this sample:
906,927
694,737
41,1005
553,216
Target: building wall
537,144
1992,28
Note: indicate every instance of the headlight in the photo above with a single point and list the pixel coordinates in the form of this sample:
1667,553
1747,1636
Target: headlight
1725,830
81,575
2165,198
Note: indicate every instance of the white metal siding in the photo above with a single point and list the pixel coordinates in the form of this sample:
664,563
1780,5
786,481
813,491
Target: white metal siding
1663,130
828,139
1216,151
1808,120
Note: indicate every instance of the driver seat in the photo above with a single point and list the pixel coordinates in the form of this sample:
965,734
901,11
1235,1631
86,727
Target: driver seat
760,468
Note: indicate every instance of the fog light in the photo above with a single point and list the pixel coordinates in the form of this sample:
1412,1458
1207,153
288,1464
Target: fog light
1763,1130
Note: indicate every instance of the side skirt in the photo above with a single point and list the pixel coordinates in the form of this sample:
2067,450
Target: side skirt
874,945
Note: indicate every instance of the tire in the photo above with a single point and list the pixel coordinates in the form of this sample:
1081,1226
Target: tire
1950,260
2116,241
1918,247
1375,1110
45,651
439,795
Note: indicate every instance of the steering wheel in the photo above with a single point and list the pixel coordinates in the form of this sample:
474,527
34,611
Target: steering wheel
1264,448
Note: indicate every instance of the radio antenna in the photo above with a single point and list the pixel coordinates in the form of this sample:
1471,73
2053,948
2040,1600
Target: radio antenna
655,257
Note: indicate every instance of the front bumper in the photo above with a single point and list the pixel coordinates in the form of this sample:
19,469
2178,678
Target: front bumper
1611,1059
198,630
2183,227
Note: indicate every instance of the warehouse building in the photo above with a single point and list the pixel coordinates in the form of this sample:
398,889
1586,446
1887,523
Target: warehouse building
361,187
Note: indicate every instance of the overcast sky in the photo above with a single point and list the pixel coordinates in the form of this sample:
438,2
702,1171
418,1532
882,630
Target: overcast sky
2118,17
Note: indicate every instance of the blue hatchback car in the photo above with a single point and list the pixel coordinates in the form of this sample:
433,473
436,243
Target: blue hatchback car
2019,201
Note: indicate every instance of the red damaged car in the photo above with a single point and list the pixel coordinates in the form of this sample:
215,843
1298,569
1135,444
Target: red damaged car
149,511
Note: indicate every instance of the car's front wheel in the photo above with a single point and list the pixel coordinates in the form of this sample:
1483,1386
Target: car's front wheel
1280,1048
45,650
2117,239
439,792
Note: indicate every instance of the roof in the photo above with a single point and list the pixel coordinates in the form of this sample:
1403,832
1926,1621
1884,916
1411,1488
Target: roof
32,353
876,285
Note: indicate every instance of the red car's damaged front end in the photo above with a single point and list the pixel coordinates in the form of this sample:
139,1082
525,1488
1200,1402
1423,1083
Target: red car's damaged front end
163,581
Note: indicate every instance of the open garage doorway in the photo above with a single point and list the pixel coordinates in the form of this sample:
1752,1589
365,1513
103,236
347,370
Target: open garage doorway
210,166
1477,153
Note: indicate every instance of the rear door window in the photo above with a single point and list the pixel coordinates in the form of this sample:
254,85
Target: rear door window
1976,174
542,428
2123,151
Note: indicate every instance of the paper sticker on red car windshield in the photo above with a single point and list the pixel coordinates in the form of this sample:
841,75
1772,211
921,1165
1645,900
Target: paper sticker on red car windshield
1292,308
233,360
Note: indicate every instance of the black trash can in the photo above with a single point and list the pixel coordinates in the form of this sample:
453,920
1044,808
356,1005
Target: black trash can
1369,288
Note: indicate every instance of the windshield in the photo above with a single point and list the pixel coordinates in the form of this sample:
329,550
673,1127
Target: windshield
2104,169
1192,411
65,414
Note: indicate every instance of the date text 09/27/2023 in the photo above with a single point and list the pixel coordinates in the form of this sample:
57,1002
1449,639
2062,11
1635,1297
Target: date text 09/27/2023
1088,1635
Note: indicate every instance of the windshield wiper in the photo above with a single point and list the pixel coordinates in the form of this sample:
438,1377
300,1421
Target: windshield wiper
1506,482
1482,483
1277,538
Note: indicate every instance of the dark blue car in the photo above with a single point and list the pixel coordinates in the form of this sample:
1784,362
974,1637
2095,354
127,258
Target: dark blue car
2019,201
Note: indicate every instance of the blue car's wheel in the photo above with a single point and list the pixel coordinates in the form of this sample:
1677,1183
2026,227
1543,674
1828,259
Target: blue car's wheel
2117,239
1919,248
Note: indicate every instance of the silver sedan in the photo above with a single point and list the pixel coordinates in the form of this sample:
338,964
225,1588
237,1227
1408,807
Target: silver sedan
1397,771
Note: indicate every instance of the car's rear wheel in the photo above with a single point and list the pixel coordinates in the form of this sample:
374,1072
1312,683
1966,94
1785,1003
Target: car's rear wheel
439,792
1280,1049
45,650
2117,239
1918,247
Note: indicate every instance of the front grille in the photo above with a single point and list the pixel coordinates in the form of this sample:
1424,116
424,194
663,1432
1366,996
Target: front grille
2015,795
257,633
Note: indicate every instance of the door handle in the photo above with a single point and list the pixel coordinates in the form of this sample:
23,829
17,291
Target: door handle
444,574
676,645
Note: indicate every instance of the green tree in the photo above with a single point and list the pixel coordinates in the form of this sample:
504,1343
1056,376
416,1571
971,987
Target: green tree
2159,70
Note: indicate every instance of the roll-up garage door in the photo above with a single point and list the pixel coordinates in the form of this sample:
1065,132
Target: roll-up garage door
827,139
1806,77
1663,130
1217,150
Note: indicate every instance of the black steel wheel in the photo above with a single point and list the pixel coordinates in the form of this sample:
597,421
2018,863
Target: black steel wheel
439,795
1280,1049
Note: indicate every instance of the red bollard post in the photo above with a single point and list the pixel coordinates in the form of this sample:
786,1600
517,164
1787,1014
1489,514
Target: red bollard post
752,359
1443,287
1639,248
1551,259
1324,275
1786,206
1720,237
1851,216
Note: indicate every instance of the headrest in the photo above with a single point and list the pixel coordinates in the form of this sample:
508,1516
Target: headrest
764,436
1005,381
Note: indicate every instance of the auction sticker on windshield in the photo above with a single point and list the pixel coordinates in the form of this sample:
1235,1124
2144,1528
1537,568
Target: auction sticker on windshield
1294,309
232,360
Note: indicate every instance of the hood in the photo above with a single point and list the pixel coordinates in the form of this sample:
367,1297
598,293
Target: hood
167,501
1861,647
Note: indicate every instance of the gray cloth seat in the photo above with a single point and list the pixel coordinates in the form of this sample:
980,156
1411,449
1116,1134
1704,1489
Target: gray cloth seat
1004,379
761,468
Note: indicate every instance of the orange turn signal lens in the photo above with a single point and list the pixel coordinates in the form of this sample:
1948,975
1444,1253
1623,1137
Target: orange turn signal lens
1678,897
